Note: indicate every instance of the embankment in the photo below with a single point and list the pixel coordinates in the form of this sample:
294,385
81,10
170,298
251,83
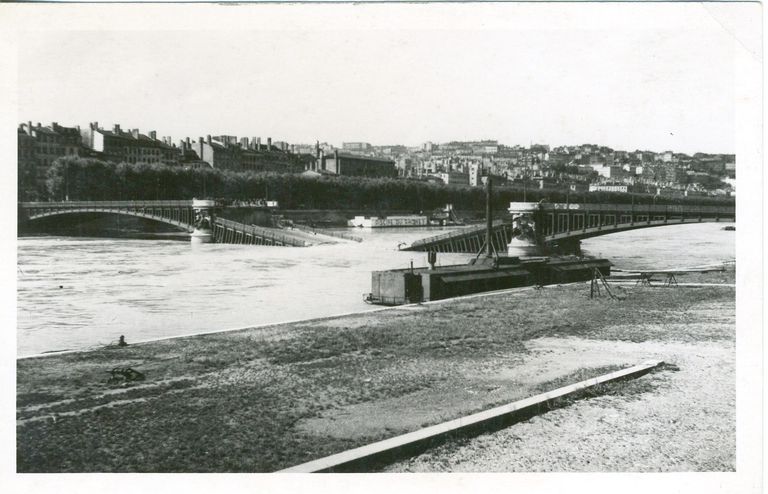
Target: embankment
264,399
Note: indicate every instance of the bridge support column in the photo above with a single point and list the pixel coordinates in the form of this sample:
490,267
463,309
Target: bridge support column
523,241
204,215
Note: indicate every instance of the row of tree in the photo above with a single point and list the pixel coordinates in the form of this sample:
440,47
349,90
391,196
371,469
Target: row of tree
94,180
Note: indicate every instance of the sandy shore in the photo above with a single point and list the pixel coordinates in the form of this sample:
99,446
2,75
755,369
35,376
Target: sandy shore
268,398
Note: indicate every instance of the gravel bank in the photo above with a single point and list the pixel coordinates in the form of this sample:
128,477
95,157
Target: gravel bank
268,398
671,421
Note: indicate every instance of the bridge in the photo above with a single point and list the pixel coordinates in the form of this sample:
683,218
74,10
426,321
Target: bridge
196,216
470,239
551,227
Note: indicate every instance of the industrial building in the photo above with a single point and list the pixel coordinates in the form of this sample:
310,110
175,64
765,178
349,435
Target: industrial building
355,166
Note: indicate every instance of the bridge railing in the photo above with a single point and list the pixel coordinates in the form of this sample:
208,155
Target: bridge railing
653,208
104,204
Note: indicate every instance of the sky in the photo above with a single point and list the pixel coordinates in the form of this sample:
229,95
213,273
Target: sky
653,77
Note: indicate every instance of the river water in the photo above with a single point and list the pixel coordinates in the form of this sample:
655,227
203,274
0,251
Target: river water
75,293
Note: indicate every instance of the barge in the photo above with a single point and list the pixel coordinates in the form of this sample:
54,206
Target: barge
416,285
389,221
439,217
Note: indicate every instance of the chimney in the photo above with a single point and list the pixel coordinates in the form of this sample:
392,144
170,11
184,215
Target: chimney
187,140
269,143
208,138
54,125
135,133
29,127
293,149
258,144
38,125
244,142
152,134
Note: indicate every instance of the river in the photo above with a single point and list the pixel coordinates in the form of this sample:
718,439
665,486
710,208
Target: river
77,293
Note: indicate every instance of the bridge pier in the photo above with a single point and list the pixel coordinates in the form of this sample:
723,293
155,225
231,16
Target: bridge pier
523,238
203,232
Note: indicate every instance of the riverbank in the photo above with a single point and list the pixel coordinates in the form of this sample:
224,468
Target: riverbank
268,398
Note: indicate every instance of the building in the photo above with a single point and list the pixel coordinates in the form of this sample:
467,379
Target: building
304,149
188,157
453,178
227,153
613,172
218,154
121,146
38,147
356,147
26,164
673,173
578,187
608,188
356,166
474,175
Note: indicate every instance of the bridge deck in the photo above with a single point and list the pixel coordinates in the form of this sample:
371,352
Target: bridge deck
556,223
596,231
232,232
177,213
468,240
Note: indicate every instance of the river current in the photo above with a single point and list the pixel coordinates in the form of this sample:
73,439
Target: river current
76,293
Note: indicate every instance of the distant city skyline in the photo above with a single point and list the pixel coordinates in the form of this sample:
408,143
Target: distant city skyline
617,75
204,133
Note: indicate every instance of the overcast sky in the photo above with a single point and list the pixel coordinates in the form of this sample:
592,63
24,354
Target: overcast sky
628,76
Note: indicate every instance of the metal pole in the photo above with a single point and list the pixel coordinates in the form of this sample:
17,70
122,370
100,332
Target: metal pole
488,218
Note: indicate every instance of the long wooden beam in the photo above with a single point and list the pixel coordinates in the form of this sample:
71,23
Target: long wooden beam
393,449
